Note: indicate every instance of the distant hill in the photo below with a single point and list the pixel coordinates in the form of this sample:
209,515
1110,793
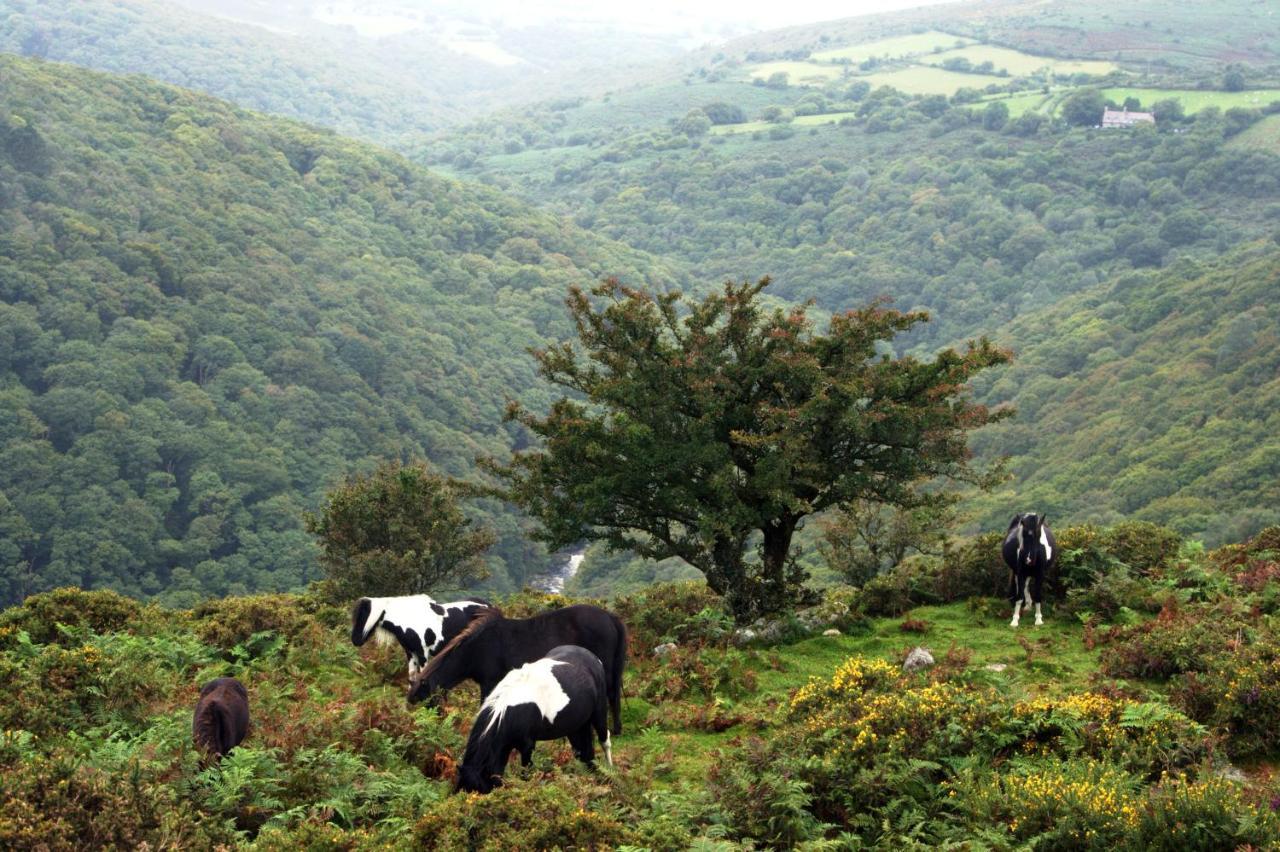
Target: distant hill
208,316
1155,396
1161,32
277,59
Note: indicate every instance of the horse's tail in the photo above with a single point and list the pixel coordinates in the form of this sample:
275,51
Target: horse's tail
619,663
212,728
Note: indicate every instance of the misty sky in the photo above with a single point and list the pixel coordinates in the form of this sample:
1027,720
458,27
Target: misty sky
699,19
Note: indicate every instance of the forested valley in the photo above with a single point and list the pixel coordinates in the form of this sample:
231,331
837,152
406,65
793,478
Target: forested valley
337,337
209,316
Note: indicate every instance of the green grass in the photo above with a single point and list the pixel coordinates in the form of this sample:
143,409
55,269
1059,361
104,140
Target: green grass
1194,100
798,73
892,48
1263,136
1018,63
1050,660
1026,102
927,80
800,121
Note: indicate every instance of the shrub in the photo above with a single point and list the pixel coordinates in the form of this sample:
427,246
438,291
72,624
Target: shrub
686,613
1239,697
227,622
1208,813
99,611
1178,640
524,815
688,671
1064,805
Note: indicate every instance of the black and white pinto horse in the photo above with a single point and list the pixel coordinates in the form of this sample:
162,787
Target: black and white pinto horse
563,694
419,624
1029,550
492,645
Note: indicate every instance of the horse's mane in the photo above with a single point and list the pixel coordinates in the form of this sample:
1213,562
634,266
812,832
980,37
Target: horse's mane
478,622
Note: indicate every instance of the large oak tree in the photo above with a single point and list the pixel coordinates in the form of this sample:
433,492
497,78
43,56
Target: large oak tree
709,430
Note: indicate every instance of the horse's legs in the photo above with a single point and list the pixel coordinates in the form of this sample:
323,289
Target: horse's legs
526,753
582,746
600,722
1039,589
1019,585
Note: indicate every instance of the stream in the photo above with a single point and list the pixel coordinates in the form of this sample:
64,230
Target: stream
553,583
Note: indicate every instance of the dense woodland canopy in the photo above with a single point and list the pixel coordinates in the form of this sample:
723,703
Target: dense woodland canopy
995,221
207,317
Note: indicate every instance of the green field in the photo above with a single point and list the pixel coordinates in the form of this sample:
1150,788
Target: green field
1018,63
1263,136
926,80
893,48
800,121
1194,100
798,73
1026,102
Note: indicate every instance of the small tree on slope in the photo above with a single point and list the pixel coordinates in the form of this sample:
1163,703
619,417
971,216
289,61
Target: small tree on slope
398,531
710,433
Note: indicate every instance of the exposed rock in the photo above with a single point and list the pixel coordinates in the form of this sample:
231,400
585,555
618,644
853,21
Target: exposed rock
919,658
1231,773
664,649
831,632
995,667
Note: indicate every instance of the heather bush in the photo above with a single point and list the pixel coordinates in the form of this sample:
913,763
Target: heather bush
1239,697
1179,639
685,613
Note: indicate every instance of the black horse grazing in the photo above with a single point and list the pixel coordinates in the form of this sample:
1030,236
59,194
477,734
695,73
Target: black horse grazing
492,645
564,694
418,623
1029,550
221,719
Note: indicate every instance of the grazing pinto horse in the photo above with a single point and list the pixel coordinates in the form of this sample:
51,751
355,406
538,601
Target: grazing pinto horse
419,624
221,719
1029,550
561,695
492,645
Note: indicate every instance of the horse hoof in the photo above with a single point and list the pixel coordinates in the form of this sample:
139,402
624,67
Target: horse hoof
1013,624
1039,621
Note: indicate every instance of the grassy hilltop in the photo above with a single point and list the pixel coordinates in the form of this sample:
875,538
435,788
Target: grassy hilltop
1142,715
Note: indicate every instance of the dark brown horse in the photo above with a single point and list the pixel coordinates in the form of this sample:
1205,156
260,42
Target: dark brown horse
492,645
221,719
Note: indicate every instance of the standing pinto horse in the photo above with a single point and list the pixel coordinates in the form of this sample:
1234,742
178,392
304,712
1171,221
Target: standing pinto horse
492,645
561,695
1029,550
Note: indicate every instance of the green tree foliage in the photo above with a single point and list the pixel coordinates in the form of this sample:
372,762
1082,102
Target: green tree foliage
711,431
1084,108
865,538
1153,397
1233,80
397,531
207,317
722,113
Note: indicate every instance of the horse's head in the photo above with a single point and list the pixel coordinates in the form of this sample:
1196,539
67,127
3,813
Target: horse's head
452,663
1031,524
474,779
363,621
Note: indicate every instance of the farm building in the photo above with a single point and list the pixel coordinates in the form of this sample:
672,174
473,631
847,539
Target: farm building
1124,118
